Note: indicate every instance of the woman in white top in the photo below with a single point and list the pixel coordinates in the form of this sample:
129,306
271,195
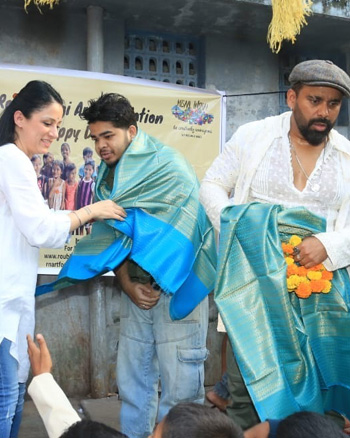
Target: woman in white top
28,126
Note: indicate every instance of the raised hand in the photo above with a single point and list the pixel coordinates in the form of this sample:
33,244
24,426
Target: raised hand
40,358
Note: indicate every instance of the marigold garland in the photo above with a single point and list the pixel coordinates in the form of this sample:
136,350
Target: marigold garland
304,281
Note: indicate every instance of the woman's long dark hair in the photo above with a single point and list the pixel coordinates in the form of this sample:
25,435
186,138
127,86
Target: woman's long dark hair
33,97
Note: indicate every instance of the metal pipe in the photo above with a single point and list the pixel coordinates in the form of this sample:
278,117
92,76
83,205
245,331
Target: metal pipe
98,344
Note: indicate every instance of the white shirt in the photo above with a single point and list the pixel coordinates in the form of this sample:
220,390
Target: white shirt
52,404
273,181
26,224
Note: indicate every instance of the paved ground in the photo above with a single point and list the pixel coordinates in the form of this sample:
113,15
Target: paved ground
104,410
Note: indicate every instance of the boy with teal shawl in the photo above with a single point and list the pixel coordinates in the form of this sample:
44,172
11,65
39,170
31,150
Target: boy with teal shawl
162,250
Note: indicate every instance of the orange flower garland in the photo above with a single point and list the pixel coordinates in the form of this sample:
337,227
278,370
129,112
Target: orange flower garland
304,281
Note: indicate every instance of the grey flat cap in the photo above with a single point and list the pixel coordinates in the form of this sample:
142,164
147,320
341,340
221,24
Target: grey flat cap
322,73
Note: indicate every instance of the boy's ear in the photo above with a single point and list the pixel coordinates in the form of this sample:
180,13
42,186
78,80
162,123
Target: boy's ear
132,131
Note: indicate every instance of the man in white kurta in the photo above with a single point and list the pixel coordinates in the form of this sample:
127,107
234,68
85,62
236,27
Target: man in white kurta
294,159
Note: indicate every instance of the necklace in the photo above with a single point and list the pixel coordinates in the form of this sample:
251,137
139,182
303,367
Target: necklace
315,187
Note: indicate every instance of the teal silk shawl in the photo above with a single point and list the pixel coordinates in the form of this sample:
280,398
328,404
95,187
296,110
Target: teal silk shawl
294,354
166,231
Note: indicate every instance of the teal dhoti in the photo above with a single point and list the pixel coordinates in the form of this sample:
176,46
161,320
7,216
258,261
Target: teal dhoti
293,354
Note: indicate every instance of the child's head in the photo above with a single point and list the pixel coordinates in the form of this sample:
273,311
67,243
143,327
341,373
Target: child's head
196,421
89,168
308,425
48,158
57,168
65,150
36,161
87,154
91,429
71,172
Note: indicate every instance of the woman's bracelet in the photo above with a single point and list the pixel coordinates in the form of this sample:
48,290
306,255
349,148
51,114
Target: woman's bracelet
88,210
76,214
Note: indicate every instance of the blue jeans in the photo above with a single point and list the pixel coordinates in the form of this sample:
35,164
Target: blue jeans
11,393
152,346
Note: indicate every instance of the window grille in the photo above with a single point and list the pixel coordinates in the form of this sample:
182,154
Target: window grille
165,58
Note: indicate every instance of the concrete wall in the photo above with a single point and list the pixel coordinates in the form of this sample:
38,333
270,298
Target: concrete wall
68,320
241,67
52,40
57,39
114,30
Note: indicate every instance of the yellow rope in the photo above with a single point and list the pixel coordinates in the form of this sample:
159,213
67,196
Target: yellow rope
39,3
288,17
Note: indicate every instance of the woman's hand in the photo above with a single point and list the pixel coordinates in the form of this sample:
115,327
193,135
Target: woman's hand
98,211
107,210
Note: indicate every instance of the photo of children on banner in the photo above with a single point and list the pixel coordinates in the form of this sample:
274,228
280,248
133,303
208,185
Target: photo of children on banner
85,191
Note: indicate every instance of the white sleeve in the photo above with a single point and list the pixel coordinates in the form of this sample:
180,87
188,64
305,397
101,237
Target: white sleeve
219,182
41,226
52,404
337,245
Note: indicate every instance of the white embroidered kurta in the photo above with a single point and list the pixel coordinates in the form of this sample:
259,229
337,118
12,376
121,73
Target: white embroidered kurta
26,224
256,166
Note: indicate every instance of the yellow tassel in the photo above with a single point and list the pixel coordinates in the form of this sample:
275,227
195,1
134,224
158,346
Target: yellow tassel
288,17
39,3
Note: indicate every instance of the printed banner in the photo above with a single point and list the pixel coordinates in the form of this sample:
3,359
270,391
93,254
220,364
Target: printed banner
188,119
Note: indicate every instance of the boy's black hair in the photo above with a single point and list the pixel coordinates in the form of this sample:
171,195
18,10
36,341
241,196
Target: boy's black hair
198,421
111,107
90,163
87,150
91,429
65,144
308,425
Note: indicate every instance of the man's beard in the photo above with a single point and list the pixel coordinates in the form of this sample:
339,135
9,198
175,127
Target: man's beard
315,138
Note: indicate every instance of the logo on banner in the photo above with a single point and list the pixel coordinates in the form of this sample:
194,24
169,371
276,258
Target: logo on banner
194,114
